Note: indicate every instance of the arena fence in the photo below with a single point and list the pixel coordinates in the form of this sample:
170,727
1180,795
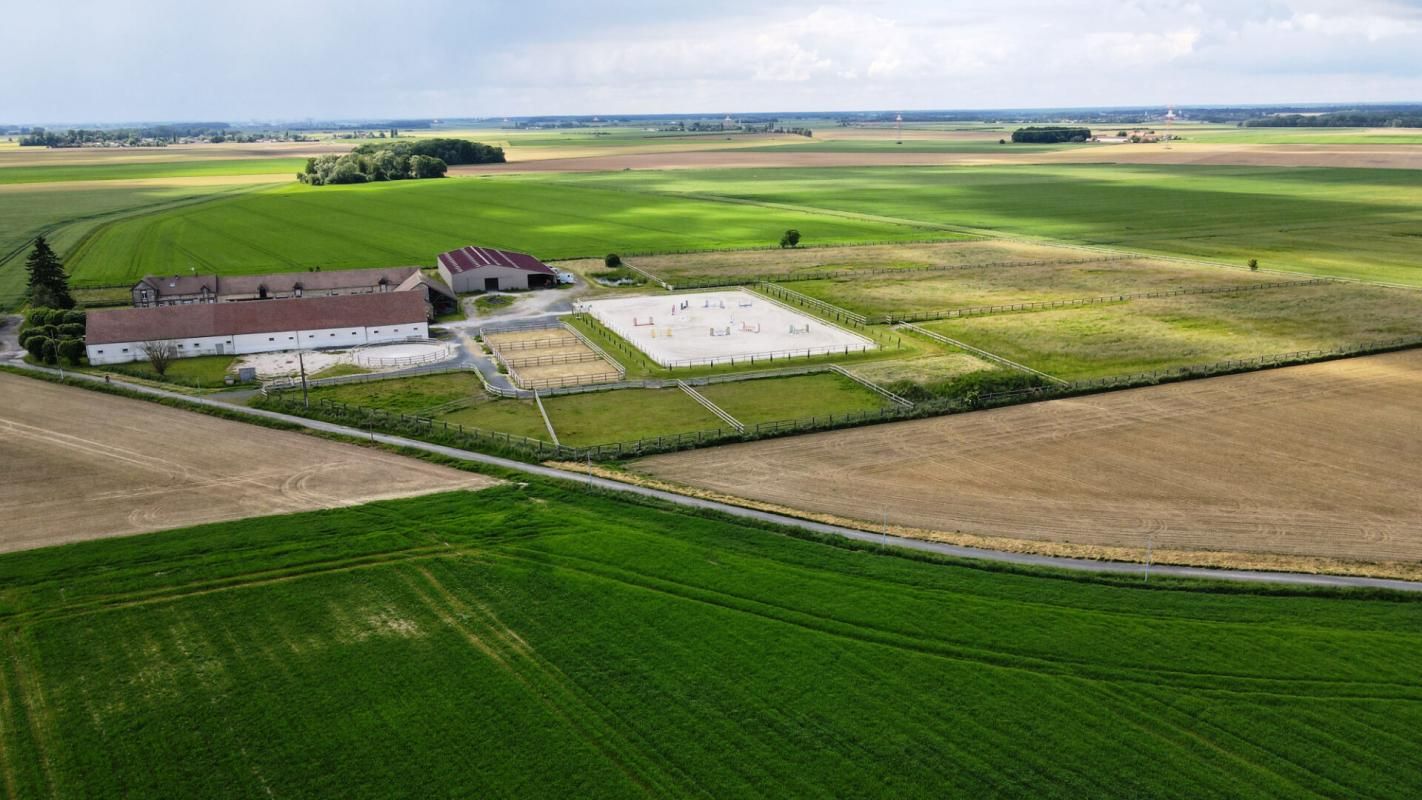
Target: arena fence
365,360
834,312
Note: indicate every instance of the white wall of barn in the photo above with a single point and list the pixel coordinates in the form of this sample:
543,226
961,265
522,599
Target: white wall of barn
242,344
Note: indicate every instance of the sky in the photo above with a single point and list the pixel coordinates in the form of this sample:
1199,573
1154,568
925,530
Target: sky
120,61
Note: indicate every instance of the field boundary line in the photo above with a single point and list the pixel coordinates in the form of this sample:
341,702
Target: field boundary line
825,275
547,423
872,386
712,407
940,338
649,276
1039,305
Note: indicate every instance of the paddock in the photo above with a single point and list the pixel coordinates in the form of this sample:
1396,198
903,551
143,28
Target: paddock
705,328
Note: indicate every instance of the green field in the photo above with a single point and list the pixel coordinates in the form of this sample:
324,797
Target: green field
923,292
626,415
120,170
529,641
1100,341
775,399
203,372
519,417
296,227
1356,223
67,215
414,395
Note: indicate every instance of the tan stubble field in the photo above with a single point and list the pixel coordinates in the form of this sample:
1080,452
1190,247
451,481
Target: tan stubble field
76,464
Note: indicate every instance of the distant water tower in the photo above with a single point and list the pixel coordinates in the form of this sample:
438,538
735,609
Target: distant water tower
898,129
727,123
1169,118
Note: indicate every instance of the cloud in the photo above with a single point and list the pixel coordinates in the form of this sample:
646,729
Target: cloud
168,59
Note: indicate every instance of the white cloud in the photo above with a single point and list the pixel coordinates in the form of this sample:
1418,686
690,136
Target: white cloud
286,58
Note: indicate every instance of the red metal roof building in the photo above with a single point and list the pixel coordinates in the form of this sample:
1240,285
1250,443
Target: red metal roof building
486,269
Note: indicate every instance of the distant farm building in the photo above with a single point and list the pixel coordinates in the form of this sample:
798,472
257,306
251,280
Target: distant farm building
484,269
214,328
191,289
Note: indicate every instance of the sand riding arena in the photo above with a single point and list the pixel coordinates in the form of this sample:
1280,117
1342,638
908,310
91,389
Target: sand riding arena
708,328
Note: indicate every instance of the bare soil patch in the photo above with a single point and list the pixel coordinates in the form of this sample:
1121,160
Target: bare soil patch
80,465
1315,462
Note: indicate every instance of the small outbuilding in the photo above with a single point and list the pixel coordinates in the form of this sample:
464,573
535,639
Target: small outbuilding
485,269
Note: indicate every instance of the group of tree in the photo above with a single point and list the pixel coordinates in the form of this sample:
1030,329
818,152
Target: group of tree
1340,119
49,334
790,238
1050,134
152,134
394,161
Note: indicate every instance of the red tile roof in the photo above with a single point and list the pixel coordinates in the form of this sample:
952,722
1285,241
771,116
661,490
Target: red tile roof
467,258
107,326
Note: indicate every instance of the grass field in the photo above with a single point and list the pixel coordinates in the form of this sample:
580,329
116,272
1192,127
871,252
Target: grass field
204,372
53,173
796,263
415,395
519,417
1346,222
295,227
923,292
527,641
625,415
66,215
1141,335
773,399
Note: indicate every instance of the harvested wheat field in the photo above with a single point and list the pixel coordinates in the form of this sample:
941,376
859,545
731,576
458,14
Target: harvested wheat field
1316,462
81,465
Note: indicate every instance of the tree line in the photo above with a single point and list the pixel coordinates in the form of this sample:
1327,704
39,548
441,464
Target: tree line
394,161
1340,119
1050,134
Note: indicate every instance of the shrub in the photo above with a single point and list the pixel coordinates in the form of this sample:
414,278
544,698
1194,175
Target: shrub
1253,265
35,345
72,351
36,317
55,316
612,261
49,351
71,330
75,317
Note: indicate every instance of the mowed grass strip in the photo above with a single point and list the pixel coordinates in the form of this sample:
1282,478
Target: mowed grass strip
296,227
799,397
518,417
532,641
1144,335
1358,223
412,395
624,415
925,292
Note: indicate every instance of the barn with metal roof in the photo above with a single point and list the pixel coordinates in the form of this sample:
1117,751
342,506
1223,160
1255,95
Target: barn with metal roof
486,269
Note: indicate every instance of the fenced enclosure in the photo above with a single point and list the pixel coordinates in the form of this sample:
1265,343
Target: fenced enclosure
719,328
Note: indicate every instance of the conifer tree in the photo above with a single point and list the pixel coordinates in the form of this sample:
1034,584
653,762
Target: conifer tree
49,286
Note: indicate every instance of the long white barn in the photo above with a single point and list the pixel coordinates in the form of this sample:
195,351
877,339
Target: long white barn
115,336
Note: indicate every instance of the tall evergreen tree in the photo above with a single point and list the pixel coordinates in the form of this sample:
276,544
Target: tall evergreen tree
49,286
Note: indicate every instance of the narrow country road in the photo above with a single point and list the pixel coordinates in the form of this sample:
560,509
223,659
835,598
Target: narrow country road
1081,565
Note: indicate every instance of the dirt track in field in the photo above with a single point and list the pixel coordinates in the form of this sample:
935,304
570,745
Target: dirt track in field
1317,462
1390,156
76,464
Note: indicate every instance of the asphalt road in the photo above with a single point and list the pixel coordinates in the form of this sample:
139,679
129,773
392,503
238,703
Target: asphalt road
1082,565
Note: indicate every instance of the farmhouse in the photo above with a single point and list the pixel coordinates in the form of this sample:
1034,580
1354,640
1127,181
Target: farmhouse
187,290
484,269
118,335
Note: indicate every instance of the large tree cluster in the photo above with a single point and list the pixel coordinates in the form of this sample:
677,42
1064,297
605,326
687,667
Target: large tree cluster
395,161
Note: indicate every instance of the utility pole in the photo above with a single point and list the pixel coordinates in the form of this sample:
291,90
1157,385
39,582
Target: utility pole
884,532
305,396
